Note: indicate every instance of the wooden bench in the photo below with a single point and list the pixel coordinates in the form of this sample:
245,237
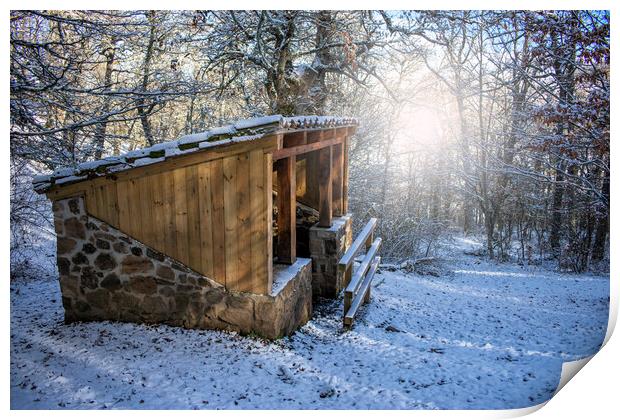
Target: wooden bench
357,285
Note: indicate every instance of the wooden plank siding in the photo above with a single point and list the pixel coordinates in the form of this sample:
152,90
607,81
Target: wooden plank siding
158,211
134,201
180,214
217,206
193,216
230,221
122,192
214,216
260,224
243,237
169,245
205,217
110,203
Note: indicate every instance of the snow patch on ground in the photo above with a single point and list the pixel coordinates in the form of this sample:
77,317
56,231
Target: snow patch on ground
485,336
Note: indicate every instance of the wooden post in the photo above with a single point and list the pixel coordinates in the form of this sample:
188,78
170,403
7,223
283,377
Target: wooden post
345,175
268,168
368,244
286,210
337,174
325,187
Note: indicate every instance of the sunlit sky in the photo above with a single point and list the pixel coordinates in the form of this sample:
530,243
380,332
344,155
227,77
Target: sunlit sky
420,127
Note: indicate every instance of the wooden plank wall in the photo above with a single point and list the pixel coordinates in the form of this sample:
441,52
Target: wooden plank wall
214,217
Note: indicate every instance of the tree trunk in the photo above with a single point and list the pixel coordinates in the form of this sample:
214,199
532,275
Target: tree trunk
189,120
489,223
556,208
602,228
467,207
101,129
315,90
564,72
143,108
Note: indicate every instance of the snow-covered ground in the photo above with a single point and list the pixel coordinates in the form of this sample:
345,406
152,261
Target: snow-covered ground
482,336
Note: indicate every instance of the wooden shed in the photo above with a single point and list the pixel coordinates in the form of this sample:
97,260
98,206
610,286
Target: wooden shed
205,202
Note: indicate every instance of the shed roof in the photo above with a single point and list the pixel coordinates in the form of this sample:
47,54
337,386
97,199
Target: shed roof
239,131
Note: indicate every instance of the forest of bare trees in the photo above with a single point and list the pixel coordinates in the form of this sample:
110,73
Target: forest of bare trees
490,123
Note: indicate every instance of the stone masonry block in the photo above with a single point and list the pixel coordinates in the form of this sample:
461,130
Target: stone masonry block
327,246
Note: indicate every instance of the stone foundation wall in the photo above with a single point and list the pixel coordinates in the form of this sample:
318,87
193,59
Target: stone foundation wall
107,275
327,246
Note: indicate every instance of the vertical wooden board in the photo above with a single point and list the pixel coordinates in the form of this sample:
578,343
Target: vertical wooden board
325,187
169,207
180,215
268,174
147,228
244,227
135,216
206,220
159,225
101,212
345,175
124,219
337,165
286,210
193,218
90,197
217,216
258,222
111,203
229,166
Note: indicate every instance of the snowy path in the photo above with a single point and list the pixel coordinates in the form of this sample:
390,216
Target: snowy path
484,336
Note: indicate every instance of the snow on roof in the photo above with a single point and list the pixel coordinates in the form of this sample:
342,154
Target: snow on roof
239,131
